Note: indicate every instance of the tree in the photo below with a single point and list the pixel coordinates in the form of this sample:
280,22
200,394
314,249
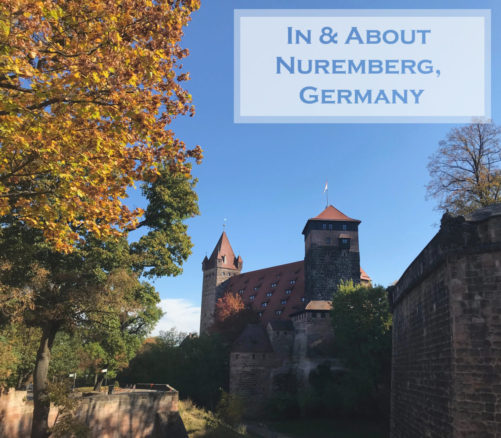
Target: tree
21,341
87,88
231,317
465,172
198,367
361,320
95,289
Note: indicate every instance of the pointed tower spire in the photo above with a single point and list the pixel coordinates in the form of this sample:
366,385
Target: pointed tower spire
219,267
222,256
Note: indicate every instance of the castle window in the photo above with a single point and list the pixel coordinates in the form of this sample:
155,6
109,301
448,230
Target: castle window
224,259
293,281
269,294
283,302
264,303
324,226
288,292
344,227
260,314
303,299
274,285
252,297
241,291
330,226
278,312
344,243
256,287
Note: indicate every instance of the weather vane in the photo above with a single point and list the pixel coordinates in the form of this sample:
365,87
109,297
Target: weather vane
224,224
326,191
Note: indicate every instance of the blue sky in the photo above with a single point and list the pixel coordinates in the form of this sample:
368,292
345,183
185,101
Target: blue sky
267,180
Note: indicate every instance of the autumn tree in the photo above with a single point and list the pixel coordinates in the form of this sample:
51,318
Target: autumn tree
231,316
87,89
465,172
96,289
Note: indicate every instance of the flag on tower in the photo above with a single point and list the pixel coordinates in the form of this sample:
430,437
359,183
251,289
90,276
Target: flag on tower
326,186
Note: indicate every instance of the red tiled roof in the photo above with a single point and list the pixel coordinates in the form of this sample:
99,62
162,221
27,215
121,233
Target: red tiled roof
319,305
364,276
276,280
333,214
223,252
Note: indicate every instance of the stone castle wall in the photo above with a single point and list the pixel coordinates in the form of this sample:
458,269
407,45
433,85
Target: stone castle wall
129,414
325,267
313,344
446,364
251,378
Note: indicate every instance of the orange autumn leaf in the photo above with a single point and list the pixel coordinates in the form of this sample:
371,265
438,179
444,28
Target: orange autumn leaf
87,90
227,306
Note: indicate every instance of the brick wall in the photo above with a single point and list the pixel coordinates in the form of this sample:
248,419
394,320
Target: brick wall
446,376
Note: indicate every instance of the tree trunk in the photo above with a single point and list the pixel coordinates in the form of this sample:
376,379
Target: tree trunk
100,378
41,401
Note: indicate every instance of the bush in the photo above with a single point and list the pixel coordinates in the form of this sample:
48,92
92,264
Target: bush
230,408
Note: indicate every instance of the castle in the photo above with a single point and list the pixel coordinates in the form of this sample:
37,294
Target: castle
294,334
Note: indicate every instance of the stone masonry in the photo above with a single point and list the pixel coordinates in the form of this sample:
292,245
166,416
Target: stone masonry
446,363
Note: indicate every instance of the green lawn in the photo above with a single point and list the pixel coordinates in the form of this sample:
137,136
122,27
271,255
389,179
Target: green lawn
335,428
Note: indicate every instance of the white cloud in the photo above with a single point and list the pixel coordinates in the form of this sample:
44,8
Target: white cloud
178,313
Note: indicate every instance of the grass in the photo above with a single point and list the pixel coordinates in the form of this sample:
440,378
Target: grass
200,423
331,428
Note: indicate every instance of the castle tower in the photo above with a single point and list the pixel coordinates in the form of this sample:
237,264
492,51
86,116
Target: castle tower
219,267
331,253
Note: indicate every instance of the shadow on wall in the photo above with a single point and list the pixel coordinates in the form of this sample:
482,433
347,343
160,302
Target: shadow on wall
136,413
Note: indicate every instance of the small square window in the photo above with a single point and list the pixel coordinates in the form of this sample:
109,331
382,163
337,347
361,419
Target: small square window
293,281
324,226
274,285
264,303
252,297
256,288
288,292
269,294
241,291
303,299
278,312
260,314
345,227
283,302
330,226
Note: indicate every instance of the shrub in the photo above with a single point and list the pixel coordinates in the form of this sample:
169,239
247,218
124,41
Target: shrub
230,408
